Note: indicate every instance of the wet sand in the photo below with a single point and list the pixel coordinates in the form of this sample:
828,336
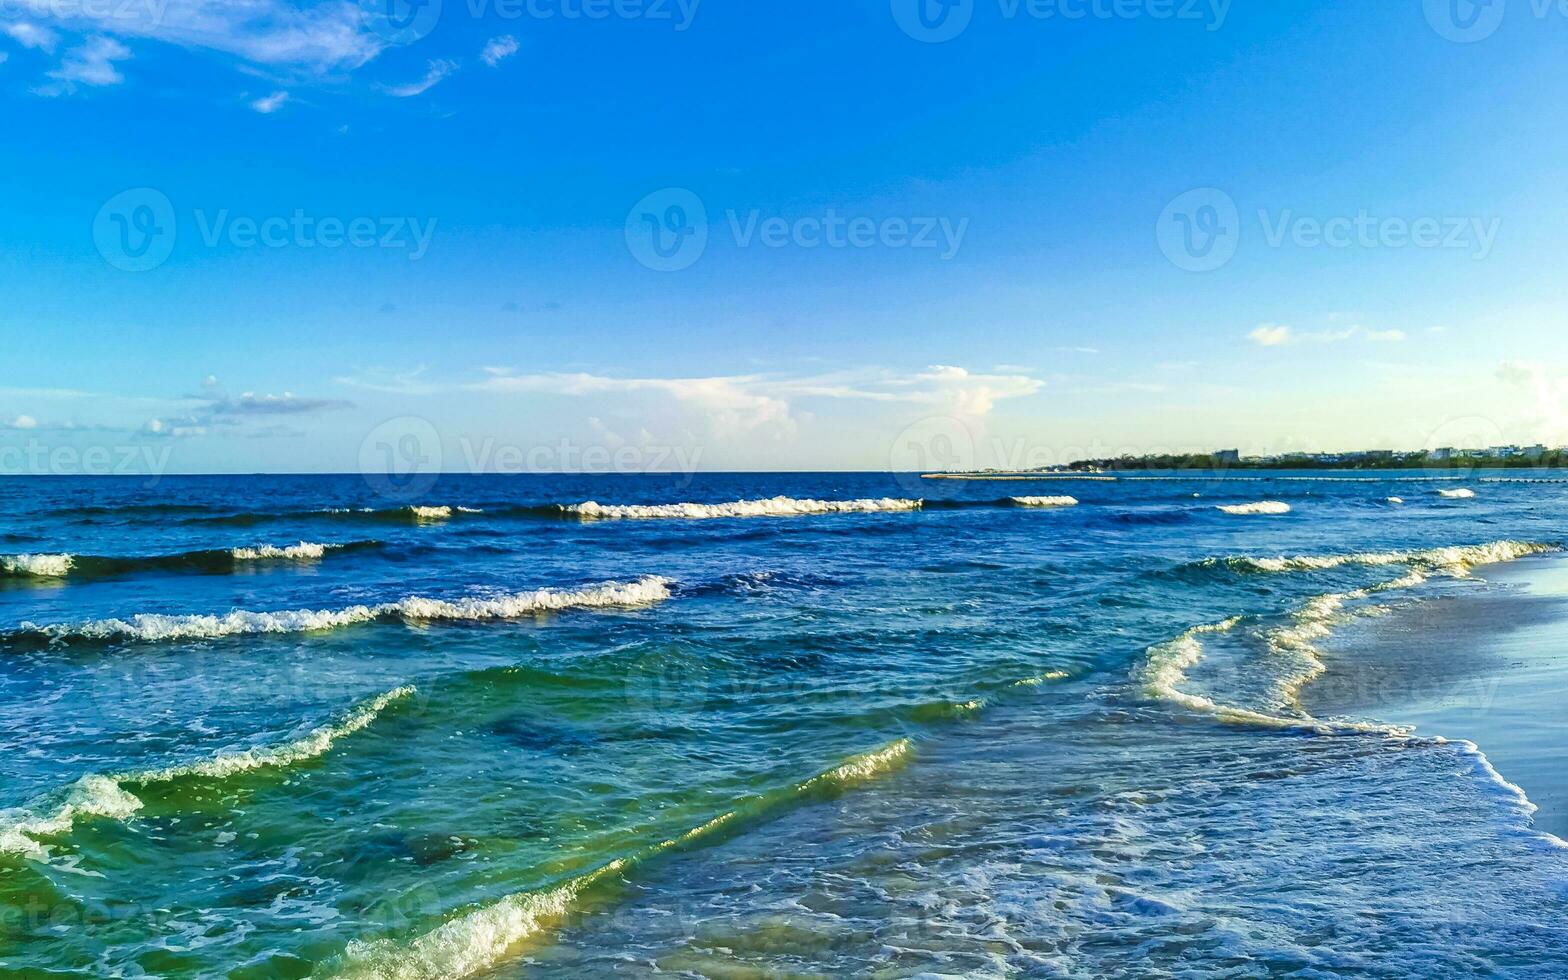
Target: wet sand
1489,665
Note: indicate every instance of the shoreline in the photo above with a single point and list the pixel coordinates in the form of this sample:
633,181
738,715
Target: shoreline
1483,666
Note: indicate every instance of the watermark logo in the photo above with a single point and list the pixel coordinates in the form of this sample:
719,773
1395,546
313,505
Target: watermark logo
941,443
667,231
936,21
1199,230
678,13
400,21
1465,21
135,230
401,459
933,21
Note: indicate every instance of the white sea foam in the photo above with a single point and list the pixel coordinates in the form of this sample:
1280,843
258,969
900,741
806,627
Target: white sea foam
430,513
149,627
304,551
1293,660
1046,501
1394,500
106,797
37,566
771,507
1463,493
1258,507
1457,559
1510,794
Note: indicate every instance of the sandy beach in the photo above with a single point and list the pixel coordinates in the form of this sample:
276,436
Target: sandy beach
1485,664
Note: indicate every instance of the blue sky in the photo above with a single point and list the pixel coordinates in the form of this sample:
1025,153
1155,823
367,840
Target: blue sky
266,235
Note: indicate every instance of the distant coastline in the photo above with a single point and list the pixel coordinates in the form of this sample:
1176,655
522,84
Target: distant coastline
1451,462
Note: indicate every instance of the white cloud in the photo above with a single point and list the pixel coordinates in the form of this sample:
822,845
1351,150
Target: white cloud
268,104
391,382
730,404
1548,417
749,403
25,422
439,69
318,38
91,63
1279,335
498,49
30,35
1270,335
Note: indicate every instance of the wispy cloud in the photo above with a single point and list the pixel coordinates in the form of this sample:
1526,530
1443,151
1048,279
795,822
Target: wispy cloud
268,104
1279,335
30,35
391,382
750,403
498,49
91,63
1271,335
439,68
284,404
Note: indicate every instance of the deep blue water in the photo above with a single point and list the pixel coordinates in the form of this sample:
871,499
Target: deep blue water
964,737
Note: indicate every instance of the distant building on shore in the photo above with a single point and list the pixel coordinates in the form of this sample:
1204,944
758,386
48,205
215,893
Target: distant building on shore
1227,456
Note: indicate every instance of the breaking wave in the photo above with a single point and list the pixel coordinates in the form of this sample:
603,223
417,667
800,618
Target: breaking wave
1045,501
478,940
207,561
1293,660
150,627
1458,558
36,566
1258,507
771,507
106,797
1462,493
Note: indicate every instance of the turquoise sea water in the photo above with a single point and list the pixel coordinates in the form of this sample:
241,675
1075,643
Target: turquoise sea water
284,727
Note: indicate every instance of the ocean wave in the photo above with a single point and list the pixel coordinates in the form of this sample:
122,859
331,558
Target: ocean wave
1257,507
1045,501
416,514
478,940
304,551
1509,794
36,566
1463,493
1452,559
771,507
1293,660
106,797
152,627
207,561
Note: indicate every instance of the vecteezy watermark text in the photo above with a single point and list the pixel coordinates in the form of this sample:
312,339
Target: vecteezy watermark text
680,13
935,21
35,458
136,230
669,230
1200,230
